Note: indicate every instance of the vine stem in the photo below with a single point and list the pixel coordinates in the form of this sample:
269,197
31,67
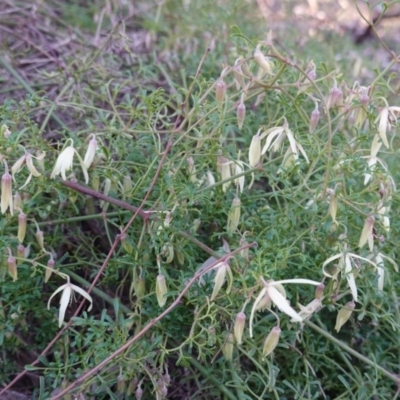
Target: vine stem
153,322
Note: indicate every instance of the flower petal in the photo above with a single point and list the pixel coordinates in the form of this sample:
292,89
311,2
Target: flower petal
282,303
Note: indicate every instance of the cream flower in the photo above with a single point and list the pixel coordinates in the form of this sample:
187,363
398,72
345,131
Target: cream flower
27,159
67,292
345,267
65,161
90,152
276,293
386,118
276,136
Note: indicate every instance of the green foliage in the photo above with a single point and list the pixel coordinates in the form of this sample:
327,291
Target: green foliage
232,219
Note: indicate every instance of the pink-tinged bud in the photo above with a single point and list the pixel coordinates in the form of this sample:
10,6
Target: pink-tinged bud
319,291
20,252
132,386
240,114
220,91
312,74
314,119
120,384
238,73
17,201
238,328
161,290
12,267
39,238
335,98
49,269
227,348
6,193
21,227
344,314
271,341
139,393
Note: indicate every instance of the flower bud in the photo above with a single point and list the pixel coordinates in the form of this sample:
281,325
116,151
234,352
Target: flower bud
90,152
244,252
191,169
240,114
6,193
238,73
139,393
262,61
49,269
39,238
95,183
238,328
20,252
271,341
161,290
344,314
17,201
120,384
335,98
219,278
314,118
255,150
4,131
234,215
126,244
220,91
319,291
227,348
132,386
367,234
127,185
21,227
12,267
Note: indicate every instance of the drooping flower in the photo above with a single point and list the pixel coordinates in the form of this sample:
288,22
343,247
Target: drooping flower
90,152
386,118
221,269
67,293
276,294
276,136
65,162
345,267
344,314
27,159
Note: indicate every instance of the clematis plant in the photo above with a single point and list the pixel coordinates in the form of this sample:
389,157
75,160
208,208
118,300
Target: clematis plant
67,292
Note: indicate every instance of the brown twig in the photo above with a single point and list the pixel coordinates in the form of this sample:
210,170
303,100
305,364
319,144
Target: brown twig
153,322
